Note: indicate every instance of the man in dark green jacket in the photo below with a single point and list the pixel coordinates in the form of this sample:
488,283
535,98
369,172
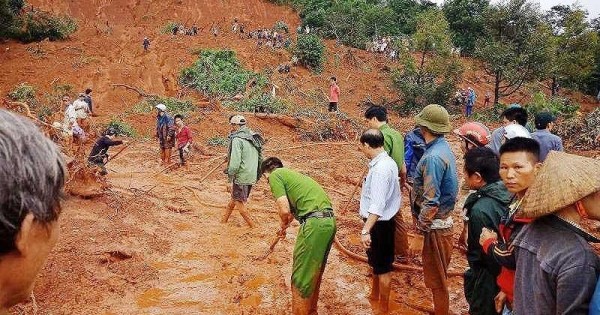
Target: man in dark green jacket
484,208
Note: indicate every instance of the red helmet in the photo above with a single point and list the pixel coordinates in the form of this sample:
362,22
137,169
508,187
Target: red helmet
474,132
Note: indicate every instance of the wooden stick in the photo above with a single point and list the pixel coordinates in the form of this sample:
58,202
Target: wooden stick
119,152
212,170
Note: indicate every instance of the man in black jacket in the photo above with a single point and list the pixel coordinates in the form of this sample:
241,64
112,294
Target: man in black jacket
99,154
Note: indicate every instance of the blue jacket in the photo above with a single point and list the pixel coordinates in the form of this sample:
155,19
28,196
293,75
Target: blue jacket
548,142
414,147
436,183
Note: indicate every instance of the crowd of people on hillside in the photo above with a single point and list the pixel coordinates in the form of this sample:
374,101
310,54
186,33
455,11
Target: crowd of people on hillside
270,38
75,121
383,45
180,29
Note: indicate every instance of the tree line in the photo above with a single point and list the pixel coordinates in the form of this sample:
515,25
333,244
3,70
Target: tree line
515,41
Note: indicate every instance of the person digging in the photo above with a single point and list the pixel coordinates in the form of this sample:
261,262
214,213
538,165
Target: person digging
301,197
99,154
243,166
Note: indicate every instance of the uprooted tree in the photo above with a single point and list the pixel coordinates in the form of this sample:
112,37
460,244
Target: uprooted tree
433,75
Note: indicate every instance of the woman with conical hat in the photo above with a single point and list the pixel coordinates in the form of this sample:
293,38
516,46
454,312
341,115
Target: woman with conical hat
557,269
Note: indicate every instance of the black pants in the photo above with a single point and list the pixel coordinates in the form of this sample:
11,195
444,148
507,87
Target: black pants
333,106
181,159
480,290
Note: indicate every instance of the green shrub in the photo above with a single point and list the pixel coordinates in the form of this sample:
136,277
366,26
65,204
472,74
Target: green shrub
44,112
218,74
559,106
39,25
168,28
122,127
217,142
23,93
281,26
310,52
260,103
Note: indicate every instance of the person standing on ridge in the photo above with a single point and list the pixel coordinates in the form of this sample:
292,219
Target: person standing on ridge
334,95
146,44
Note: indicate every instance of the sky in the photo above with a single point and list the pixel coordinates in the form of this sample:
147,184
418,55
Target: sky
592,6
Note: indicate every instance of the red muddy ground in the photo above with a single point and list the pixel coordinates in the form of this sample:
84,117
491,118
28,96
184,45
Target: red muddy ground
151,243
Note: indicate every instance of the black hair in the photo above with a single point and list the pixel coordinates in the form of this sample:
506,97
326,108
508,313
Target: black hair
518,114
520,144
334,79
269,164
181,117
376,111
88,91
484,161
372,137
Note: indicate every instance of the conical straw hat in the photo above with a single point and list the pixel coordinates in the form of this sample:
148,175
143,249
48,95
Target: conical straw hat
563,180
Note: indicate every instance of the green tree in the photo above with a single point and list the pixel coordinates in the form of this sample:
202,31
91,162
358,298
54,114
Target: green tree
433,75
517,47
466,20
310,52
407,12
575,47
6,19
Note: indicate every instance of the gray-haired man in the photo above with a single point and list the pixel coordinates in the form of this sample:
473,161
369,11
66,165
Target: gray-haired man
31,180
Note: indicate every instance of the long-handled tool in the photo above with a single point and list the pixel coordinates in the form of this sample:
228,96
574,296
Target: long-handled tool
272,246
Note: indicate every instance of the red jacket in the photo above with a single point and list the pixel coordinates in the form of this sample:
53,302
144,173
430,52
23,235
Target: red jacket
502,251
183,136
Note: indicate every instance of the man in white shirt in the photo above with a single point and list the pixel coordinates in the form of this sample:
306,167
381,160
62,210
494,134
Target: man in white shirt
81,109
379,202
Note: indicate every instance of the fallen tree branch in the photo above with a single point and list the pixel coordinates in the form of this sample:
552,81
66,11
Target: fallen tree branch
133,88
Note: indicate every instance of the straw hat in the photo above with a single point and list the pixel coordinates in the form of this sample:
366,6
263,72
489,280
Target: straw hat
563,180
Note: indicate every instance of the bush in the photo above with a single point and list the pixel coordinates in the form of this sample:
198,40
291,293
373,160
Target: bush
218,74
264,103
122,127
23,93
39,25
281,26
559,106
168,28
174,105
310,52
